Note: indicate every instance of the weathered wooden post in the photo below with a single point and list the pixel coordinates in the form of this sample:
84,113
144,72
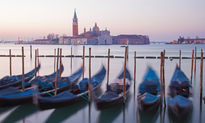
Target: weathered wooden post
180,57
60,62
23,68
35,62
134,69
161,79
31,51
195,60
108,66
56,82
163,76
54,60
124,78
89,85
83,62
192,61
10,62
38,56
201,75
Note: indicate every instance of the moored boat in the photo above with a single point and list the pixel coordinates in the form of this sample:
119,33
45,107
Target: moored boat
77,94
149,91
43,82
16,80
180,101
114,92
26,96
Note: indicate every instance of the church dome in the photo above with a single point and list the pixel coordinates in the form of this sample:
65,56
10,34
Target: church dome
96,28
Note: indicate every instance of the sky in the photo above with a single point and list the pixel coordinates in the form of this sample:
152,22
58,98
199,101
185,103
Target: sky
161,20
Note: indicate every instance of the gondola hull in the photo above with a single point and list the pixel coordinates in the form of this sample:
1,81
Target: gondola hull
180,106
148,102
67,98
109,103
21,97
114,93
18,82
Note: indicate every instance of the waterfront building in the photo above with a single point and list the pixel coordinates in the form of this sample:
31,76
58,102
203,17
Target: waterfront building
94,36
51,39
104,37
64,40
182,40
78,40
130,39
44,41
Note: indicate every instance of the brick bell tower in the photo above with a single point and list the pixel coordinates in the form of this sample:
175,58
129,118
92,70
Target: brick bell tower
75,24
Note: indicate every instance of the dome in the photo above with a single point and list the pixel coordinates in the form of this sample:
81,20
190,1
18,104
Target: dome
96,28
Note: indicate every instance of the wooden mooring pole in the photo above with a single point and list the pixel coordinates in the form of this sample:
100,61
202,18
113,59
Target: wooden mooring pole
201,75
71,55
54,60
38,56
124,78
10,62
180,57
60,62
31,51
134,69
108,67
89,85
195,60
161,80
163,76
56,82
23,68
83,62
35,62
192,61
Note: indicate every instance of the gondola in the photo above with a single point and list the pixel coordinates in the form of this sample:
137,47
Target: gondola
149,91
16,80
114,92
40,81
26,96
76,94
180,92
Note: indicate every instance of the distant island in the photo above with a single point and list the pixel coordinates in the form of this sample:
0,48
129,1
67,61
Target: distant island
182,40
93,36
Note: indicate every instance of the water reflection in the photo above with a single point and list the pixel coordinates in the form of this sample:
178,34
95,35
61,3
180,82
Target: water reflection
182,119
4,109
20,113
110,114
148,116
64,113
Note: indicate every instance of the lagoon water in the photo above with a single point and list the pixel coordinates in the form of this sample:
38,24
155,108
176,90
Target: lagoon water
81,112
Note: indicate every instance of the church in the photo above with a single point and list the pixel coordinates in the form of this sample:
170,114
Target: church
94,36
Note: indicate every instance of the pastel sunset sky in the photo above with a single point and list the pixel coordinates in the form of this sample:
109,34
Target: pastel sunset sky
161,20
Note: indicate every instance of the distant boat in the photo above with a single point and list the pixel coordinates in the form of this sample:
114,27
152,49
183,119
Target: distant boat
123,46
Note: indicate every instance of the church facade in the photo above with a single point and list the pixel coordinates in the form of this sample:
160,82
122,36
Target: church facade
95,36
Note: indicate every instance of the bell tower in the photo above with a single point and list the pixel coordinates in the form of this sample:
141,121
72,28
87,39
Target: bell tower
75,24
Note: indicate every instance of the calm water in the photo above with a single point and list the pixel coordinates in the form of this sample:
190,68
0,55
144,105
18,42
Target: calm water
82,112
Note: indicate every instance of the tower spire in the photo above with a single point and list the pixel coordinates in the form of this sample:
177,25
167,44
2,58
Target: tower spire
75,15
75,24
